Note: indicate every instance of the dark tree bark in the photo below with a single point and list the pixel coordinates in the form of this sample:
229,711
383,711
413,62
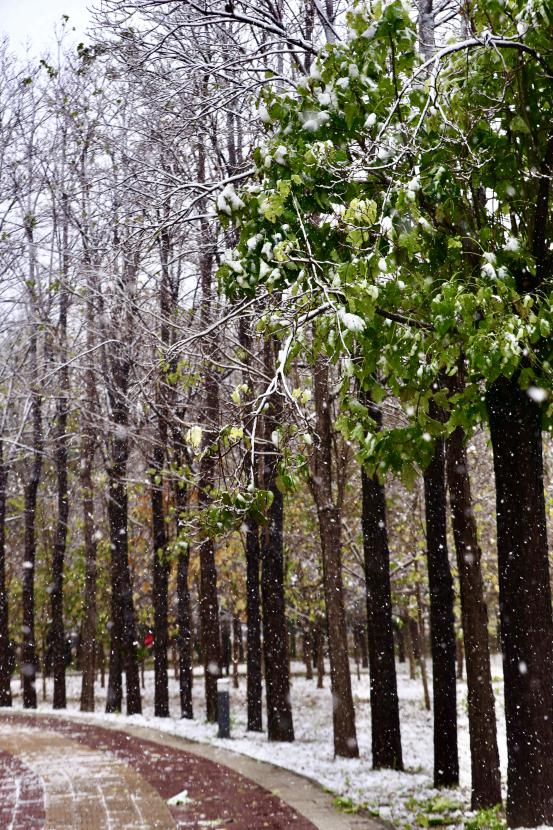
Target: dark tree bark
524,601
254,674
275,642
486,779
160,581
184,622
236,640
123,650
28,647
363,645
253,636
28,651
442,629
123,643
308,653
61,453
330,521
400,638
160,559
385,729
319,641
92,654
208,599
5,657
185,637
89,643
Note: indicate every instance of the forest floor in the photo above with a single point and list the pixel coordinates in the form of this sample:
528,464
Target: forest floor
406,799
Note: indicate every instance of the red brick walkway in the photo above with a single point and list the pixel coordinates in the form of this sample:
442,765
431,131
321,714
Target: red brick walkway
21,795
219,797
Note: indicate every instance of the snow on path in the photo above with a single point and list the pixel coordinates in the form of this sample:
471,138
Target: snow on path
397,797
85,788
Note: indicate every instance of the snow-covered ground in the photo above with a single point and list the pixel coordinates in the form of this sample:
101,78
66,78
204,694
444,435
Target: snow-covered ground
402,798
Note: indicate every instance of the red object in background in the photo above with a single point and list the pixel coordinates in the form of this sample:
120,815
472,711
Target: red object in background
149,640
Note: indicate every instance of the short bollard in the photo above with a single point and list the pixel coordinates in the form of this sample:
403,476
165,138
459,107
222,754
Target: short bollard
223,706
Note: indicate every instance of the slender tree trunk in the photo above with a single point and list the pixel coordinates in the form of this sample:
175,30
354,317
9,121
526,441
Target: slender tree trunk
418,640
253,638
460,658
319,640
277,677
411,650
308,654
123,649
185,635
208,597
524,602
385,729
28,648
486,780
61,453
117,528
161,563
363,646
400,637
236,637
5,658
442,630
28,655
160,584
254,674
89,643
184,622
330,520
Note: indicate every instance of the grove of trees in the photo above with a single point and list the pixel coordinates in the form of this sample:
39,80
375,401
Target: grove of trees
276,317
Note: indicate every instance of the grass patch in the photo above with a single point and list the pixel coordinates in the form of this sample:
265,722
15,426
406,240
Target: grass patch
491,819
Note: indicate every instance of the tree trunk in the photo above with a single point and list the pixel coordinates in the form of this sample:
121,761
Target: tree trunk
418,641
308,654
123,648
208,599
486,779
28,651
89,643
184,622
61,453
524,602
460,658
330,522
160,580
319,640
91,648
277,677
254,674
5,648
442,630
236,638
386,734
409,636
400,638
161,564
253,638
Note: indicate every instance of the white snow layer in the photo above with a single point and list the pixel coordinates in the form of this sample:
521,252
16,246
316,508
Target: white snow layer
396,796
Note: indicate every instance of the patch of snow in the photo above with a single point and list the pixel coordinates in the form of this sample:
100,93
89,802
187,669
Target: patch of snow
393,794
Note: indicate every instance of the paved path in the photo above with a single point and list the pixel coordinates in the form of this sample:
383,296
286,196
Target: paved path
64,774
